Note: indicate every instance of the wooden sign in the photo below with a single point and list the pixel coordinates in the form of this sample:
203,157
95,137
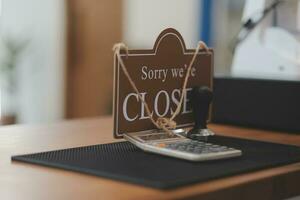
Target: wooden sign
158,74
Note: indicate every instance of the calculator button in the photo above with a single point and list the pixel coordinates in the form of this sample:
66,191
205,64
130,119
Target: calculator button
196,147
171,145
158,136
230,149
162,145
198,151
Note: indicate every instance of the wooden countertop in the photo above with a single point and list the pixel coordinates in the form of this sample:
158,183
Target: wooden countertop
25,181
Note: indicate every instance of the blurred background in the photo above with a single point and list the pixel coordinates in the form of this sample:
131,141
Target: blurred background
56,59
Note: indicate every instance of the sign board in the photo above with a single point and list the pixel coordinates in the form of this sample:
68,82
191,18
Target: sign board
158,74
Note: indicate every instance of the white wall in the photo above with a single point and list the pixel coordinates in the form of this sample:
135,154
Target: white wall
144,20
41,70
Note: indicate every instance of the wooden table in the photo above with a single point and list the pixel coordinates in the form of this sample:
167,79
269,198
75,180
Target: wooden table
25,181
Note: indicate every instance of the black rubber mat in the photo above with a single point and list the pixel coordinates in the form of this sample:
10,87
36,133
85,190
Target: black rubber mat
123,161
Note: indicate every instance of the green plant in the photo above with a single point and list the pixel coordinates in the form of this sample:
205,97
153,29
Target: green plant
12,51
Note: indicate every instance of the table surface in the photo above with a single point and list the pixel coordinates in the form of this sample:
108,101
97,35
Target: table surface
25,181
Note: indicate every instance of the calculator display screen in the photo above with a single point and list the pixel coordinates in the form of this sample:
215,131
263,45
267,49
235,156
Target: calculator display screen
158,136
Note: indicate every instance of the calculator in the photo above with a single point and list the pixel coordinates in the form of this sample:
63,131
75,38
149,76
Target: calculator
178,146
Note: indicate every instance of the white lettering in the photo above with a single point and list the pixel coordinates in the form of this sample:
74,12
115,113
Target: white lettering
174,72
185,101
193,71
144,76
174,99
181,72
167,103
143,94
150,75
125,107
156,74
165,72
158,110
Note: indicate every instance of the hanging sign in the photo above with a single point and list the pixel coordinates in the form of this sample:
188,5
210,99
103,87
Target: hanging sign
158,74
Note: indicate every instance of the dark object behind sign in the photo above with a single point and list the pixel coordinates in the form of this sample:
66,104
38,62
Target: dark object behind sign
259,103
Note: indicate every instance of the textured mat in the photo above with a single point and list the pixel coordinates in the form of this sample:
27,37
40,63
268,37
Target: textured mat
123,161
